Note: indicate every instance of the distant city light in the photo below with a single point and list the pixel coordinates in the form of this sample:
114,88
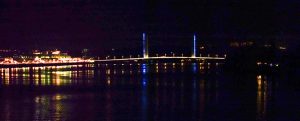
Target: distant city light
56,52
282,48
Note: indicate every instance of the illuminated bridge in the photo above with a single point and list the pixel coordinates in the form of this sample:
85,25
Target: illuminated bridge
146,58
162,58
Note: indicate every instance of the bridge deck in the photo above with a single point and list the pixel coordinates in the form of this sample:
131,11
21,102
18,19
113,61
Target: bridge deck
153,58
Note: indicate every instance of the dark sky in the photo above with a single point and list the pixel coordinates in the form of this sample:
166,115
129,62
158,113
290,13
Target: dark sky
103,24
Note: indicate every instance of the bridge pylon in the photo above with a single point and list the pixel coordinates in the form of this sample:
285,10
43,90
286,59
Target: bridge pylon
145,46
194,49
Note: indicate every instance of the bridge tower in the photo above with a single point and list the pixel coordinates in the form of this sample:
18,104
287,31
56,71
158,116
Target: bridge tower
194,52
145,46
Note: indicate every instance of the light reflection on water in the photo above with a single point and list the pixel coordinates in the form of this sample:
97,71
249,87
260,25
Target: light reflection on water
264,92
166,91
45,76
49,105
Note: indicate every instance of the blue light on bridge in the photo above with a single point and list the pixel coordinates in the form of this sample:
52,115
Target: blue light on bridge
194,46
144,40
145,46
144,36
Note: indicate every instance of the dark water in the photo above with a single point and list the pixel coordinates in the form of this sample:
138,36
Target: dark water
170,92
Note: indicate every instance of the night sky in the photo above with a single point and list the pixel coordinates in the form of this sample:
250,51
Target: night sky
105,24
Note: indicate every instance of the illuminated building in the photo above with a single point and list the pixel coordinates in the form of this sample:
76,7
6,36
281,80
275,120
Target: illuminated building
241,44
85,53
4,53
50,55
